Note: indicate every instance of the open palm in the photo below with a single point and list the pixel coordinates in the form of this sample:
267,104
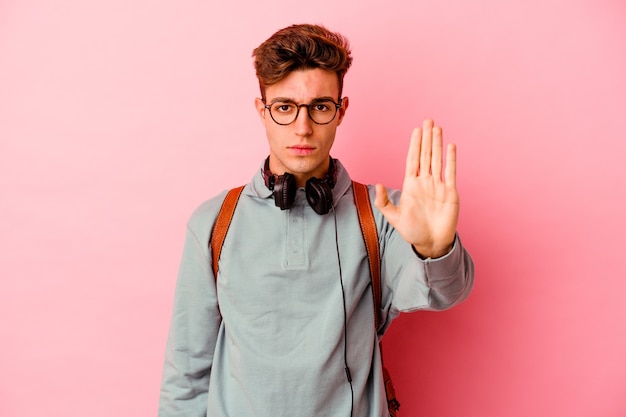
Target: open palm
428,211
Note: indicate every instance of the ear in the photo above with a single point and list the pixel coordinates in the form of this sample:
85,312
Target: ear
342,110
260,108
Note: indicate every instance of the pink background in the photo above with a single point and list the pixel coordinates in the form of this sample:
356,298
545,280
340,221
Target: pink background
117,118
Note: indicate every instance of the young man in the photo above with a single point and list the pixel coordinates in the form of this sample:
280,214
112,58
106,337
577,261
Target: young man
287,327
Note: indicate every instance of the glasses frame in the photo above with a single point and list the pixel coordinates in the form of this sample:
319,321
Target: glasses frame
308,111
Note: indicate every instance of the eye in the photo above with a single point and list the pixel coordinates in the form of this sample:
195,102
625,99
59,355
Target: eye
321,106
283,108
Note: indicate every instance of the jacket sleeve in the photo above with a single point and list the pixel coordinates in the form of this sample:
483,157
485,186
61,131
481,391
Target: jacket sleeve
411,283
193,330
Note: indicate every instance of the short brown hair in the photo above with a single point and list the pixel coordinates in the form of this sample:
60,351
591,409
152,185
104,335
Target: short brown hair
300,47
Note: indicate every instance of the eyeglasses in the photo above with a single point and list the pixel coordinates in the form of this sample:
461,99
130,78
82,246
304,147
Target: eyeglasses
321,111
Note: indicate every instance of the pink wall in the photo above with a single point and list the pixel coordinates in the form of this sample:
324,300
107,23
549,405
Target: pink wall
118,117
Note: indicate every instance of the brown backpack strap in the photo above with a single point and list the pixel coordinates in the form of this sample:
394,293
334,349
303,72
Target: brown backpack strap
222,223
370,236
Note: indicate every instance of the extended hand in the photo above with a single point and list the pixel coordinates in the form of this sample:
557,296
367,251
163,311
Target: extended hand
428,211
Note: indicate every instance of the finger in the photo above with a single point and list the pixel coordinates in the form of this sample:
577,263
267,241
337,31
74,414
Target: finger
412,157
450,174
382,203
437,153
426,147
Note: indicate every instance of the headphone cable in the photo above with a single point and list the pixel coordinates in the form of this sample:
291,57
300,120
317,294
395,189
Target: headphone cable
345,316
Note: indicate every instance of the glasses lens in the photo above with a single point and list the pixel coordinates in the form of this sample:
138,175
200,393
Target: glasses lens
284,113
322,112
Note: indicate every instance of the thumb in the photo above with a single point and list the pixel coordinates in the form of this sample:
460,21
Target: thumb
382,203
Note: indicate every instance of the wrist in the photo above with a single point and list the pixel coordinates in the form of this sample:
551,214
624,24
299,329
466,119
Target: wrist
432,252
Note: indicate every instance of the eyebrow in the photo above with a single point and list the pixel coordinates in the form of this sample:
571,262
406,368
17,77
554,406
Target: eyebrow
290,100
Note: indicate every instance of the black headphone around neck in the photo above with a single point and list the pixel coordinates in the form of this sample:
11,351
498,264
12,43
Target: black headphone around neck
318,191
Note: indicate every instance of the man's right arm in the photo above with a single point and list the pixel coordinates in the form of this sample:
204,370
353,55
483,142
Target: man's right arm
192,336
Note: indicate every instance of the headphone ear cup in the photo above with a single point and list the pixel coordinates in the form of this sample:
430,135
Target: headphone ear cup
319,195
285,190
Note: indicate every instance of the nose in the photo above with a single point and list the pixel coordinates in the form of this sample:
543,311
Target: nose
303,123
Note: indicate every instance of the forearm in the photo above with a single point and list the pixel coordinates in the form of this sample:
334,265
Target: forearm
414,284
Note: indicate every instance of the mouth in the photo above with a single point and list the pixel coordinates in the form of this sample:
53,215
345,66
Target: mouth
301,149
